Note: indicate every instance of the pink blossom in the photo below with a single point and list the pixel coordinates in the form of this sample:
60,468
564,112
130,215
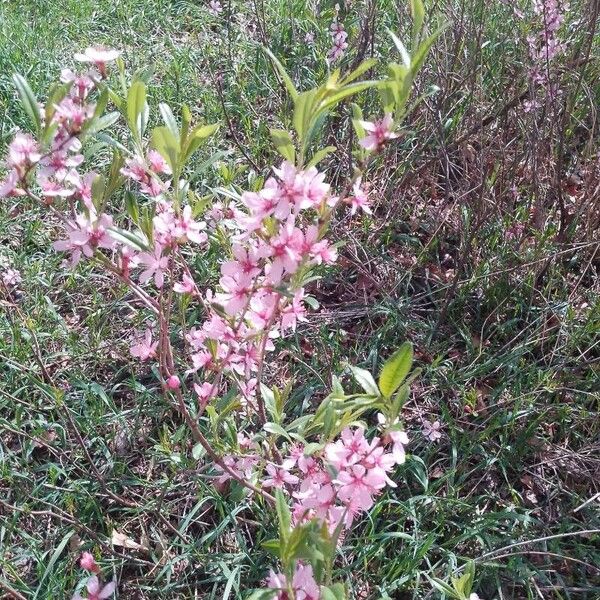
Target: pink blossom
9,187
95,591
145,348
11,278
247,260
52,188
85,235
157,163
303,584
357,487
293,312
340,44
205,392
72,115
350,449
286,252
190,230
155,264
279,477
236,292
320,251
98,56
378,132
23,152
432,430
185,286
400,440
214,7
359,198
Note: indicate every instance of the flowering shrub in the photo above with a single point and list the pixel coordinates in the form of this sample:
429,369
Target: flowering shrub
545,46
322,470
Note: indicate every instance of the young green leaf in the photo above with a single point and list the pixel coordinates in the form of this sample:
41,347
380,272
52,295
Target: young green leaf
401,48
166,143
418,15
136,108
396,369
284,515
287,80
284,144
366,381
28,100
169,119
303,111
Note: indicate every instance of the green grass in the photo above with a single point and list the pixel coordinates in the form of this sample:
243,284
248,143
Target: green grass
506,332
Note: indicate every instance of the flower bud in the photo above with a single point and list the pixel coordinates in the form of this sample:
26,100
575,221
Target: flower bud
88,562
173,382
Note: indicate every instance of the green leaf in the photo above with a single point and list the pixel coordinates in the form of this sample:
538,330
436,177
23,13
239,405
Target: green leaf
103,122
362,68
197,137
99,192
169,119
366,381
396,369
443,587
284,515
418,16
50,565
262,594
283,74
268,398
333,592
28,101
303,110
423,50
401,48
137,108
345,92
166,143
319,156
284,144
128,238
131,207
198,451
271,546
275,429
57,92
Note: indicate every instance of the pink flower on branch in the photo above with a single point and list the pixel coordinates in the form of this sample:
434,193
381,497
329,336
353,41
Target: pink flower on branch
359,199
155,264
378,132
98,56
145,348
85,235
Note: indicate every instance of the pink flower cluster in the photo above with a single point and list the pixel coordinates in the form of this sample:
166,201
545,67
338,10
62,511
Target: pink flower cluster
336,485
333,487
56,166
339,37
258,298
545,46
